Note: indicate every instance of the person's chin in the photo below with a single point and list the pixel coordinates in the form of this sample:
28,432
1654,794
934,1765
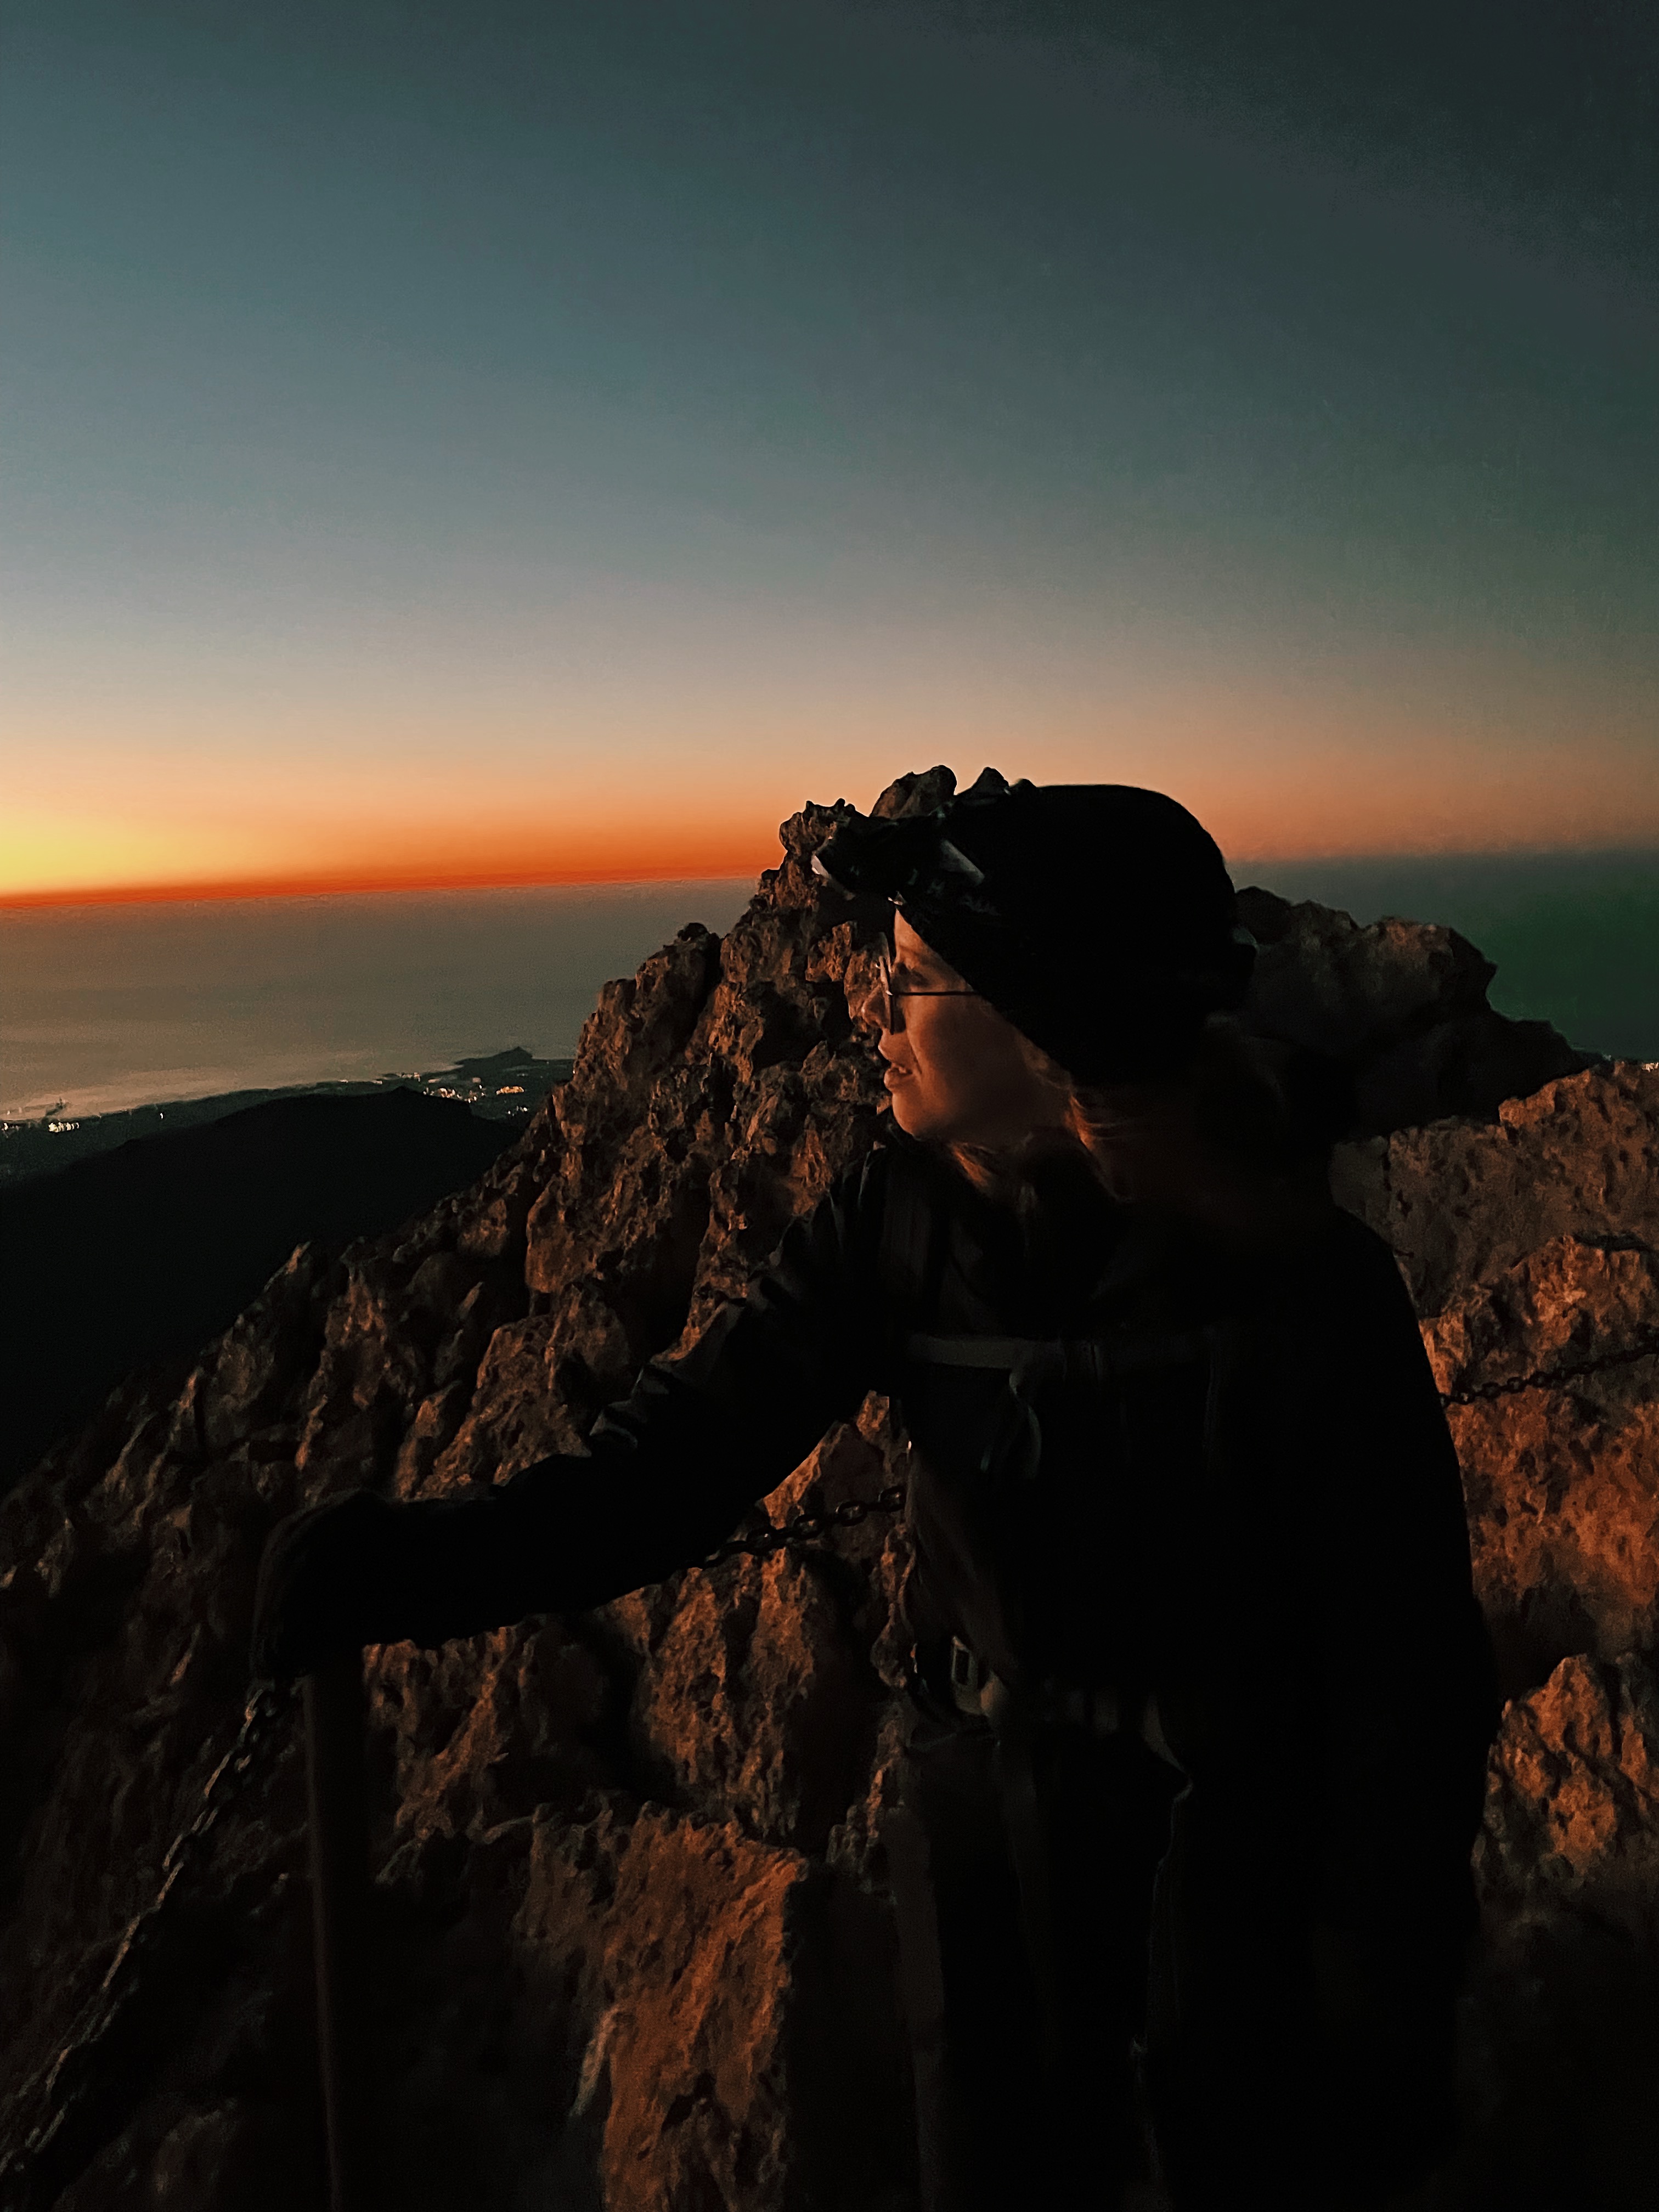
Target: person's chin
912,1113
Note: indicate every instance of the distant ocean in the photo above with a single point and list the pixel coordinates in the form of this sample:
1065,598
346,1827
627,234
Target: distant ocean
111,1006
105,1007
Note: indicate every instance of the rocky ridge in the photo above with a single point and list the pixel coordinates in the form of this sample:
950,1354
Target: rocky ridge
634,1949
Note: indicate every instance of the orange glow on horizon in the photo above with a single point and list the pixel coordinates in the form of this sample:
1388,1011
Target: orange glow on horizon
745,857
708,866
142,831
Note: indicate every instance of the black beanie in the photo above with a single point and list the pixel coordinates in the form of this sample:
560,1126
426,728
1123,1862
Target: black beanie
1098,917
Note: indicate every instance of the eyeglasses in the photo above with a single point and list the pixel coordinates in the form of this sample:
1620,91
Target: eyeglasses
885,994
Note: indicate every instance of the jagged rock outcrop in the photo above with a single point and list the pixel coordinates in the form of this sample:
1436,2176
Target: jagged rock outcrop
1531,1242
1563,2035
1574,1812
1579,1156
633,1947
1402,1004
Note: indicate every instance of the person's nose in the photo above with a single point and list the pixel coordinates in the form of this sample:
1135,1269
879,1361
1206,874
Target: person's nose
879,1008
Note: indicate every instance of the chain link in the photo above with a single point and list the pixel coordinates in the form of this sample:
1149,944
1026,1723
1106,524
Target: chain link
1566,1371
812,1528
808,1528
38,2113
61,2087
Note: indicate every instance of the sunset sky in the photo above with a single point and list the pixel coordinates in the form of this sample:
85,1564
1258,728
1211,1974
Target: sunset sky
455,444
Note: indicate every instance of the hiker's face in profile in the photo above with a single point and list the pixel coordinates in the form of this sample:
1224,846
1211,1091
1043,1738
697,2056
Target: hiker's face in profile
956,1071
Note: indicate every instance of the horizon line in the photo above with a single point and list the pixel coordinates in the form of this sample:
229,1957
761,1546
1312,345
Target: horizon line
347,882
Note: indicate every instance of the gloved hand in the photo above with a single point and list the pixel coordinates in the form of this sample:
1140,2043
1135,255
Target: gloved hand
333,1578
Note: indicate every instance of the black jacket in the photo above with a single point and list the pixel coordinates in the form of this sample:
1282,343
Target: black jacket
1257,1513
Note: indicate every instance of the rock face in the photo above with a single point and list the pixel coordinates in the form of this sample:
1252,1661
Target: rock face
1402,1004
1563,1505
1529,1242
634,1951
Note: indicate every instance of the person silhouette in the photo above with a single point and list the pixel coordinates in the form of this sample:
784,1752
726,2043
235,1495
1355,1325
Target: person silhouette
1200,1694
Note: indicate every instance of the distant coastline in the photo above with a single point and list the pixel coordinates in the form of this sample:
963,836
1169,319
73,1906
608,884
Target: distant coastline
501,1086
112,1009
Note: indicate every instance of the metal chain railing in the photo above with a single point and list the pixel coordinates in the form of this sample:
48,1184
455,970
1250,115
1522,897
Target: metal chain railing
808,1528
811,1528
37,2114
1642,1345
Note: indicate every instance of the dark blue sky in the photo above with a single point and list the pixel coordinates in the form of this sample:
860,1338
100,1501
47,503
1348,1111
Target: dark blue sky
445,433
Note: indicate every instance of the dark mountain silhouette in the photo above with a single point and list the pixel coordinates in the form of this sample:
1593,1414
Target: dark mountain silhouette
499,1086
137,1257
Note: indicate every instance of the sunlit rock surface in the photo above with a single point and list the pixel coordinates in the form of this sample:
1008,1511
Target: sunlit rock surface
1560,1484
634,1945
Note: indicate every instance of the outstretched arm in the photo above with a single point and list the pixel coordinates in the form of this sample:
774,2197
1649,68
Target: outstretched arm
668,1471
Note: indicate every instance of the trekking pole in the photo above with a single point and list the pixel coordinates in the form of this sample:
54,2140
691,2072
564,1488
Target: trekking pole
339,1908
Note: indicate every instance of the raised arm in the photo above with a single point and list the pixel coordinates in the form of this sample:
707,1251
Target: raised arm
668,1471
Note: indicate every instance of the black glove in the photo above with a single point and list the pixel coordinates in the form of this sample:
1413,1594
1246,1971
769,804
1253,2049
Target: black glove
331,1579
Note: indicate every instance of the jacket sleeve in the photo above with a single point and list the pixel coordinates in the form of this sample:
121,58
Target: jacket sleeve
671,1467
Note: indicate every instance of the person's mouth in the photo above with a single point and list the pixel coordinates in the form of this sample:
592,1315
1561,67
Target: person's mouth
894,1074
